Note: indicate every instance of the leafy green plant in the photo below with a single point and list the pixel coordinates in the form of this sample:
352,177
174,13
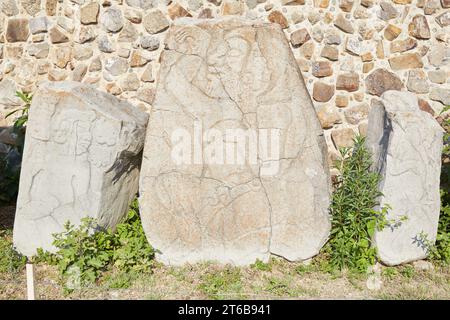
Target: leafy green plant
222,283
91,250
261,266
21,120
354,220
440,251
10,163
9,177
10,260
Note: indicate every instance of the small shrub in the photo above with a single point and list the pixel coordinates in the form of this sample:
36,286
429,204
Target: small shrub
261,266
221,284
10,260
91,250
440,251
10,163
354,220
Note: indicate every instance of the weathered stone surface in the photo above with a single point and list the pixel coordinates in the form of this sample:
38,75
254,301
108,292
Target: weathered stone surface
112,19
343,24
348,81
440,94
176,11
104,45
38,50
116,65
418,28
17,30
382,80
406,61
328,116
89,13
128,33
229,212
322,92
133,15
353,46
62,55
417,81
356,114
387,11
322,69
50,7
155,22
85,34
38,25
443,19
9,7
437,76
279,18
343,138
232,7
81,158
299,37
57,35
406,144
403,45
392,32
150,43
31,6
330,52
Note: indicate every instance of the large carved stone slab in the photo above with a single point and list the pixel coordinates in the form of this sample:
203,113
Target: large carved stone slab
406,144
82,154
218,77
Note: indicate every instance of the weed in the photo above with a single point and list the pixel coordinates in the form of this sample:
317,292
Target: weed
261,266
89,250
221,284
354,220
10,260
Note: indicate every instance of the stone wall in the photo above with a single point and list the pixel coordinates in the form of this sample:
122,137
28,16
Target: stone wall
349,51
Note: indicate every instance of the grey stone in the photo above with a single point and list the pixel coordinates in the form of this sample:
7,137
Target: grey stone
38,25
104,45
406,144
417,81
9,7
144,4
150,42
32,7
112,19
116,65
38,50
230,212
81,159
155,22
440,94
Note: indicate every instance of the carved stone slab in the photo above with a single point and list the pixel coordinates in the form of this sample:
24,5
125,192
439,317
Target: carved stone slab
82,154
406,144
221,80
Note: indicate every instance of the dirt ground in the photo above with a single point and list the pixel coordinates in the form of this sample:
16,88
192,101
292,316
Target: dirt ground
277,280
209,281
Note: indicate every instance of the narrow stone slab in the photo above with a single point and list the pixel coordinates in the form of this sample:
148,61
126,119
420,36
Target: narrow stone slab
406,144
218,77
81,158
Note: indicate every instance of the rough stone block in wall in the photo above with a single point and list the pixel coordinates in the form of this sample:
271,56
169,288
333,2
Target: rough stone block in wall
222,79
406,144
355,50
82,154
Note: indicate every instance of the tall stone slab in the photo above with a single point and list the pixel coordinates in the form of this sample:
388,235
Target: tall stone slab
406,144
82,154
229,89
